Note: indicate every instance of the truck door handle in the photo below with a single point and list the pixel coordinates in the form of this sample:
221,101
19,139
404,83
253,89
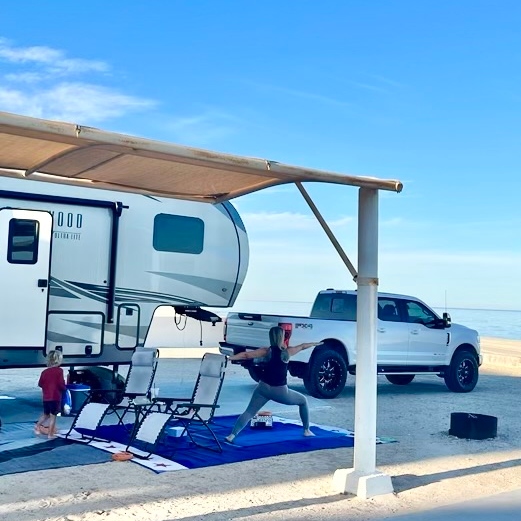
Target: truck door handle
42,283
381,330
250,323
414,332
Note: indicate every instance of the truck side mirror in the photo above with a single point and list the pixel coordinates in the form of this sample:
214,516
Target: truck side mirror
446,320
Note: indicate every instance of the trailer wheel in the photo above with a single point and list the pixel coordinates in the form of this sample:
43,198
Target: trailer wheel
462,374
400,379
102,378
326,375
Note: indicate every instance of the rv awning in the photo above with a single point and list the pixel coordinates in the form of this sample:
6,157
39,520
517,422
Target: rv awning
74,154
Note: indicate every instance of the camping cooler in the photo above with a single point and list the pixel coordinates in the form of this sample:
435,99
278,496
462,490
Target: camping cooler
79,394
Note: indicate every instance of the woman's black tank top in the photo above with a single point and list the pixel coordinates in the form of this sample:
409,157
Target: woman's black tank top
275,370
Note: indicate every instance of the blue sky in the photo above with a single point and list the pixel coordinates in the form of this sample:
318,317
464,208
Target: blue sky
425,92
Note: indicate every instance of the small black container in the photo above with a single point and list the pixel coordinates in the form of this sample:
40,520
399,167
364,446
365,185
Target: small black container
472,426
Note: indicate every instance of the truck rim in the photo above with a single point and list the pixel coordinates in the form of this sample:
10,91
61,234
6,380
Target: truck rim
465,372
329,375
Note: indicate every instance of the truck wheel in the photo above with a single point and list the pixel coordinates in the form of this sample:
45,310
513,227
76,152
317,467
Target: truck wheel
462,374
326,375
254,372
400,379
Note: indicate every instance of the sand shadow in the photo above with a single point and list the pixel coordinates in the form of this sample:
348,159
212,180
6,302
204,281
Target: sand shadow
405,482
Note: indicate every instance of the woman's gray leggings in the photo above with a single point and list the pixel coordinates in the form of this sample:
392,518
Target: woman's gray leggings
280,394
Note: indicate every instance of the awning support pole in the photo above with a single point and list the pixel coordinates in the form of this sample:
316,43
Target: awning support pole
328,231
364,480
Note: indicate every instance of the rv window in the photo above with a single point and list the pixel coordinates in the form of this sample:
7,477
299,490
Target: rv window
178,233
23,241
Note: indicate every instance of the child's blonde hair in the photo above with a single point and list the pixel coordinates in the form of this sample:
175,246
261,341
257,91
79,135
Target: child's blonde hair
54,358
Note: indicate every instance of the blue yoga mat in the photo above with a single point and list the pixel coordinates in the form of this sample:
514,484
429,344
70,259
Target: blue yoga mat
282,438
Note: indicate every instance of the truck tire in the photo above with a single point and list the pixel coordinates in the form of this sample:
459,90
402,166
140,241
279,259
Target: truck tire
326,375
254,372
462,374
400,379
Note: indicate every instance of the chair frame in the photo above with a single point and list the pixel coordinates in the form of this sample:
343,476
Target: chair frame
185,410
116,407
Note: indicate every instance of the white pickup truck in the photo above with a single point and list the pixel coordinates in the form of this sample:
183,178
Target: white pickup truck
412,339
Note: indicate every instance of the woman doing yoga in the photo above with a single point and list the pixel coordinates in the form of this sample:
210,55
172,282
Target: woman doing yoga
273,381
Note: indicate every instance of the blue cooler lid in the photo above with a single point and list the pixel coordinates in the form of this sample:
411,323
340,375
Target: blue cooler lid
78,387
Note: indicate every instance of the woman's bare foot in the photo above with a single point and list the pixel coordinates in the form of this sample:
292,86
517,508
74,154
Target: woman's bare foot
37,430
307,432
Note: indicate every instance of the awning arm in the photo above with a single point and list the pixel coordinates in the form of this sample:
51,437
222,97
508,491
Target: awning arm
328,231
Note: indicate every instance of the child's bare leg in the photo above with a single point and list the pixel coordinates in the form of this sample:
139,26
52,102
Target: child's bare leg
41,420
52,426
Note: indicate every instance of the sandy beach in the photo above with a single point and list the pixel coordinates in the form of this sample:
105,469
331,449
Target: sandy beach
428,467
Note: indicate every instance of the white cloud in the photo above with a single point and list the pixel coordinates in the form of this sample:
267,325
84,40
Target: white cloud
79,102
44,82
296,93
54,61
39,84
24,77
276,222
394,221
207,127
490,260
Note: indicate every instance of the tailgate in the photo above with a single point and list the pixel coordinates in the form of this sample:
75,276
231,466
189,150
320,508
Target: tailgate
249,329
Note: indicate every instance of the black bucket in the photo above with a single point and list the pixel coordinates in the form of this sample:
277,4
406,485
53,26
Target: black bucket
472,426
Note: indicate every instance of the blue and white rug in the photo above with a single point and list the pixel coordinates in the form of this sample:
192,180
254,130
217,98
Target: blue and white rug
175,453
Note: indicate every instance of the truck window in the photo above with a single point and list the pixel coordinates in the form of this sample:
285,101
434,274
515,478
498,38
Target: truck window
388,310
419,314
178,233
335,306
22,247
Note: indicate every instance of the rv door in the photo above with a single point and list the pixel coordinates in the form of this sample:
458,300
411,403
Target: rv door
25,253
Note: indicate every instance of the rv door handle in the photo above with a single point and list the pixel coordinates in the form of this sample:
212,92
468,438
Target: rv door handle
43,283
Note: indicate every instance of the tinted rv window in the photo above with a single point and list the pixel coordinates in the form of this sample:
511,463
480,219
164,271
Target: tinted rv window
23,241
178,233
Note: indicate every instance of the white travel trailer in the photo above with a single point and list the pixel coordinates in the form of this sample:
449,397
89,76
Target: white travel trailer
83,270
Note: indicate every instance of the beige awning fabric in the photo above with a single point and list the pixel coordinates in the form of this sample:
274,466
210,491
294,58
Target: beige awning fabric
74,154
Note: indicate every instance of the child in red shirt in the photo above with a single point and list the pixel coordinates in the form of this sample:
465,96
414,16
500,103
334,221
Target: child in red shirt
52,383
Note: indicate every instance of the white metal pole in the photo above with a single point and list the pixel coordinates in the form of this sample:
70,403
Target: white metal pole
364,480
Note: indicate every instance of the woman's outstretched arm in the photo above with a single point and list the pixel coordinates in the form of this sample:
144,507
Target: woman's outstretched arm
293,350
246,355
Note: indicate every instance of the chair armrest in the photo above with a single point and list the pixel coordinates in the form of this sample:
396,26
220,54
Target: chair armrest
195,405
168,400
133,395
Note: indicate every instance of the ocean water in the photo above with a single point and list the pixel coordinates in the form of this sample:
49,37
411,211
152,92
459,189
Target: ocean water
488,322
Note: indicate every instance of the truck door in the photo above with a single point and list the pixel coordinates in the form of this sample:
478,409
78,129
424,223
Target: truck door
427,343
25,254
393,333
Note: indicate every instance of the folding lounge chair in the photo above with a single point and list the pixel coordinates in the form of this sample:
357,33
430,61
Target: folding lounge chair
191,412
135,396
